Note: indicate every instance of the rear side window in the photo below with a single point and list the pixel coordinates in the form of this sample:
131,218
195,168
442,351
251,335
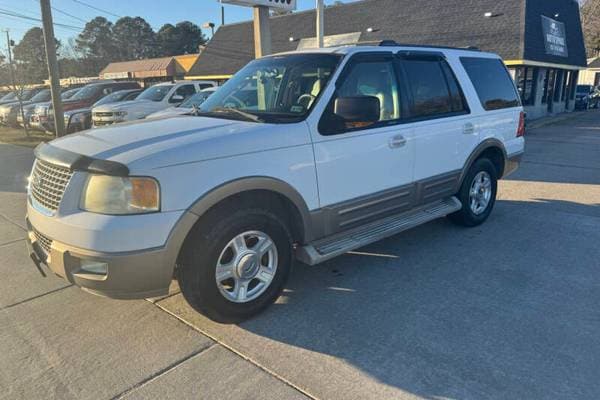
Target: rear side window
434,89
492,82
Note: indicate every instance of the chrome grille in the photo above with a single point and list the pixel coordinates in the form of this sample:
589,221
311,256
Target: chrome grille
101,114
48,184
44,241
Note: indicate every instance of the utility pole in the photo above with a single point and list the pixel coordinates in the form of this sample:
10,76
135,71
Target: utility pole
50,42
10,66
320,24
262,31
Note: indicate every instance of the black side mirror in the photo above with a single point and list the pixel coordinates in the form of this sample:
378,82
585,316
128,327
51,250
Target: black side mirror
358,109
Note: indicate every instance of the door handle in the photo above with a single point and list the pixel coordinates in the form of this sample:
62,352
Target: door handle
397,141
469,128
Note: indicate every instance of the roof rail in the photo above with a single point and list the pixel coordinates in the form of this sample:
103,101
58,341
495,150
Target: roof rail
393,43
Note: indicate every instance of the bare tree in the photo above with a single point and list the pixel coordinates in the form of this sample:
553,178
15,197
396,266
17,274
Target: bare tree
590,21
20,80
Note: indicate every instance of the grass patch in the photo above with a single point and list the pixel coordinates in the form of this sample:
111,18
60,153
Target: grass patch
17,137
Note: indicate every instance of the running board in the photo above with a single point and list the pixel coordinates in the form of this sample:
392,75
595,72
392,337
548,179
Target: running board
344,242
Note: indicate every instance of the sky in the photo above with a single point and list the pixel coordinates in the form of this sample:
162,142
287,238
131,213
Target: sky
155,12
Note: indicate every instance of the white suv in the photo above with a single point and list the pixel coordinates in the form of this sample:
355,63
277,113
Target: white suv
302,155
151,100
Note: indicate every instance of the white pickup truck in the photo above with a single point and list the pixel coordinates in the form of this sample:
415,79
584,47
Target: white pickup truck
151,100
300,156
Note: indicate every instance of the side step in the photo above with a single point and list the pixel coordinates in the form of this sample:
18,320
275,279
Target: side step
341,243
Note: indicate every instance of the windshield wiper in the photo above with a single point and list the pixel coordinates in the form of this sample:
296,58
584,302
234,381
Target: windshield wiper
247,115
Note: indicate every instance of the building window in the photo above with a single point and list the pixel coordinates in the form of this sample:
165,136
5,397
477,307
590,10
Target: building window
558,84
549,79
566,85
526,79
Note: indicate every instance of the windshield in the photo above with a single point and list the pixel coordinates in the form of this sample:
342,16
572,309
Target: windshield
112,98
27,94
69,94
9,96
155,93
85,93
44,95
584,89
274,89
196,100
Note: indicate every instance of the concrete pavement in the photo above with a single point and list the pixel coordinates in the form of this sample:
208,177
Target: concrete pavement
505,310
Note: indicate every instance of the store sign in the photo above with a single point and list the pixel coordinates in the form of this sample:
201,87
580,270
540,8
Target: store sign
289,5
555,37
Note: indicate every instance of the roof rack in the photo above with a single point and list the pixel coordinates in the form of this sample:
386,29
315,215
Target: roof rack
393,43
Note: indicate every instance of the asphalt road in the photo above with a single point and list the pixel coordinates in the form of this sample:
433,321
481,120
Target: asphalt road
506,310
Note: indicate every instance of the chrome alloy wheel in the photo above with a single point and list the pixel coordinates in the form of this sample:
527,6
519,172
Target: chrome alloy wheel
480,193
246,266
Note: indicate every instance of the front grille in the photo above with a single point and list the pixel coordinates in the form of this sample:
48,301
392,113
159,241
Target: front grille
48,184
103,123
43,241
103,114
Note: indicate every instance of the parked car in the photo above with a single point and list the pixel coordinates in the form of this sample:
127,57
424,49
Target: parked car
34,120
342,155
8,98
85,97
586,97
9,112
187,106
81,119
151,100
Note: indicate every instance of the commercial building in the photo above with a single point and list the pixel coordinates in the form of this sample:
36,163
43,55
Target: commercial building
541,41
150,71
591,76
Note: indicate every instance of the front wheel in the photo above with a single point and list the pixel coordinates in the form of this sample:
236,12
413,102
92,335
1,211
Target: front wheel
235,264
477,194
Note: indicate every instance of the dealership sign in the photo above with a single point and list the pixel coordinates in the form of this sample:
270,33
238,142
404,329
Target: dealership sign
289,5
555,37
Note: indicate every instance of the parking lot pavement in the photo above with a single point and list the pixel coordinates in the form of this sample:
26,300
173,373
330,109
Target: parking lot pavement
504,310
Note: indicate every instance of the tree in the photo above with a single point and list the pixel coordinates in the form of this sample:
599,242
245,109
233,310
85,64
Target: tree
97,41
183,38
590,20
30,55
135,39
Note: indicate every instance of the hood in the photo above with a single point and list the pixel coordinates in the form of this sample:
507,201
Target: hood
135,108
170,112
159,143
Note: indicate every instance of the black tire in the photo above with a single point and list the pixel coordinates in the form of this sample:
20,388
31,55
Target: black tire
465,216
200,255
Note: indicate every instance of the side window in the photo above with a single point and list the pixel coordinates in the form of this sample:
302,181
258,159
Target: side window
492,82
107,90
182,93
374,79
434,89
205,86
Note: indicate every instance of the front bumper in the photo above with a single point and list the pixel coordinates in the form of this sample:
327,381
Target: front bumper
127,275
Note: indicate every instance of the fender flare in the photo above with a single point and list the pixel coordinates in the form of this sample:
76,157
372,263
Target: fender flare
228,189
483,146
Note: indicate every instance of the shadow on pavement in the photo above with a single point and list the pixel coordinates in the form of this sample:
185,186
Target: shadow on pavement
505,310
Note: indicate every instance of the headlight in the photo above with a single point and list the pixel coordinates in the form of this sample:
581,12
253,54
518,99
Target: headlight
114,195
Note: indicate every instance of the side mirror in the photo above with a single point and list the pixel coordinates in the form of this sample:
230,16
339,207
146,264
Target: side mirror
365,109
177,98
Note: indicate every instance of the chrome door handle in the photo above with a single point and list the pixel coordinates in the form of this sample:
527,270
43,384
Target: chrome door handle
469,129
397,141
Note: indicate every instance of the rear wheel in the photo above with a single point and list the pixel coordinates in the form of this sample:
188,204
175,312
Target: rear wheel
235,264
477,194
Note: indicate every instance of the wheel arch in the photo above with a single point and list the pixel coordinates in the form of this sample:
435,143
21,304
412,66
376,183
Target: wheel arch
490,148
246,188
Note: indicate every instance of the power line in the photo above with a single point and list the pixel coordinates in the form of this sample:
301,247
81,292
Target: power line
22,16
69,15
96,8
